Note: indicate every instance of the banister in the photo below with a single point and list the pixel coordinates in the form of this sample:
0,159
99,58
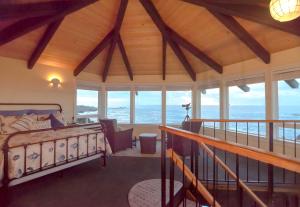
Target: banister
233,175
243,120
188,173
275,159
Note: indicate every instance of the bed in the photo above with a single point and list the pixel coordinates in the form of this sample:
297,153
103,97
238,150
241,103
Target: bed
32,153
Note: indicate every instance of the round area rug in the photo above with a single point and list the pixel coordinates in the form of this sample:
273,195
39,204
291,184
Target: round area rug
148,193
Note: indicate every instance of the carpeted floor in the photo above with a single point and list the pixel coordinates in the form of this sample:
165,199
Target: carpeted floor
88,184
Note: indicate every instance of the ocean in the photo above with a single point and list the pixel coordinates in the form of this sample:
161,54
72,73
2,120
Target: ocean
151,114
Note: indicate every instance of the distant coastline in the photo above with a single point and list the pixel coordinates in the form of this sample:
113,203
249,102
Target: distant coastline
82,109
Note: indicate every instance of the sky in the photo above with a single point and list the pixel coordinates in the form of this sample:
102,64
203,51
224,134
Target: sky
256,96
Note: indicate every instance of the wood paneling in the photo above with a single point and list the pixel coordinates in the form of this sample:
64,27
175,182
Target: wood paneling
81,31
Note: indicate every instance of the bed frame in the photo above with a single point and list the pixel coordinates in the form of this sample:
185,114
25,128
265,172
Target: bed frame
7,182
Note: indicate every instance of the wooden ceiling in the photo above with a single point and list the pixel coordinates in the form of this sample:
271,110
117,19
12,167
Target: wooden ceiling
142,30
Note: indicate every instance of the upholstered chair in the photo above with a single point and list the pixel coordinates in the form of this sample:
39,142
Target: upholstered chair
118,139
181,145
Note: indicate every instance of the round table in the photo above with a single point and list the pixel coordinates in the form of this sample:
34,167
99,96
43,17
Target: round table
148,193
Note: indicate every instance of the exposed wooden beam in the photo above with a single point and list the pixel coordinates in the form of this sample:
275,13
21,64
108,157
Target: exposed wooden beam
25,10
49,33
164,57
125,58
96,51
195,51
243,35
117,27
27,25
153,13
254,13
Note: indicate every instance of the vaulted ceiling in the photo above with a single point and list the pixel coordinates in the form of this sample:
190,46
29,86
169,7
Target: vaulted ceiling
120,37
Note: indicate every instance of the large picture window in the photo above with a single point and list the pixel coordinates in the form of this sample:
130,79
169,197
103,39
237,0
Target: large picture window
118,106
87,106
247,102
210,106
210,103
174,100
289,107
148,107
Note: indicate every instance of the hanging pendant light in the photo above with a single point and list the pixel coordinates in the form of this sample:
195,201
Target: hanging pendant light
285,10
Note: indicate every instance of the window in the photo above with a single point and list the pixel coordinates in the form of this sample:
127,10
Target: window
288,101
247,101
210,103
289,107
176,113
210,106
87,106
148,107
118,106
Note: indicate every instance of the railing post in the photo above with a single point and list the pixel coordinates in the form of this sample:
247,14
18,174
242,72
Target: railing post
270,167
163,169
171,196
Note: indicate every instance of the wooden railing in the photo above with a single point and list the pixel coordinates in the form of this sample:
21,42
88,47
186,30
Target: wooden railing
246,151
192,178
268,157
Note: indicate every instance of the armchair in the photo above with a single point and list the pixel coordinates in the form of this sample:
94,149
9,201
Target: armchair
118,140
180,145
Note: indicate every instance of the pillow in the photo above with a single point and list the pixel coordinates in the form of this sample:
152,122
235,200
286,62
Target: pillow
6,122
43,117
41,125
60,117
55,123
24,123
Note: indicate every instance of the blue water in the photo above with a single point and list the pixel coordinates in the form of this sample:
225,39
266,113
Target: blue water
151,114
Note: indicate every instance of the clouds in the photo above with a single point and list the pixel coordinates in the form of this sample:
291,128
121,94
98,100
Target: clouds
211,98
256,95
87,98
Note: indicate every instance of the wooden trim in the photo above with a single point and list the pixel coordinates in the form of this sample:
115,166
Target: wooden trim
108,60
275,159
36,9
153,13
192,178
27,25
164,57
117,27
93,54
49,33
233,175
125,57
256,13
230,23
195,51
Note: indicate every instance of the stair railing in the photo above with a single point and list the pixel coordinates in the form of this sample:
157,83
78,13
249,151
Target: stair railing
267,157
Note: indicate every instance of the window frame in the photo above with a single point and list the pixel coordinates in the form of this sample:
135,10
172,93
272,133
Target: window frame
87,116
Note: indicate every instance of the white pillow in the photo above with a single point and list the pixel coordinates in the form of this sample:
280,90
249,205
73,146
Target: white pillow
24,123
41,125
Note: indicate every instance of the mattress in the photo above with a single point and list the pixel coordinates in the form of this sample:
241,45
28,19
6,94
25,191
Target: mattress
45,155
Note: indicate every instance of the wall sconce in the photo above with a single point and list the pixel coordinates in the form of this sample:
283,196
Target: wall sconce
55,83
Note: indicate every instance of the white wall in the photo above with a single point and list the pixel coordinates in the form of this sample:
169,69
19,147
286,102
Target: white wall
18,84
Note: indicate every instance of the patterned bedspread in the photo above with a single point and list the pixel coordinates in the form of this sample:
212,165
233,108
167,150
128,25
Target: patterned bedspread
78,145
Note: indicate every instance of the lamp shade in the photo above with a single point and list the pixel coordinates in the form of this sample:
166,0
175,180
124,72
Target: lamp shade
285,10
